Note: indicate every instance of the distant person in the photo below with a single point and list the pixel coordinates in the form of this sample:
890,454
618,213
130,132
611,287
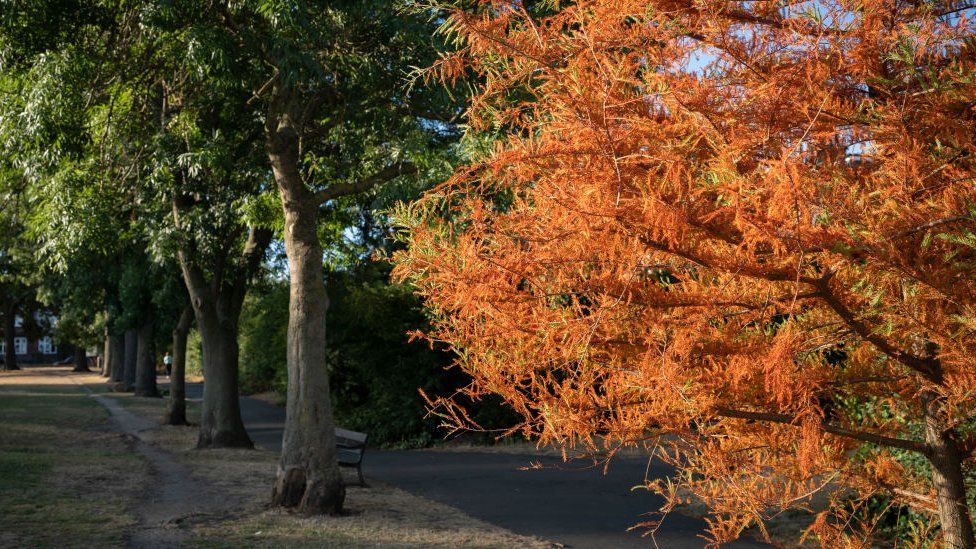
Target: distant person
168,363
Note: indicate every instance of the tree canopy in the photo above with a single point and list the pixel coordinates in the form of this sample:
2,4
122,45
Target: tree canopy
740,232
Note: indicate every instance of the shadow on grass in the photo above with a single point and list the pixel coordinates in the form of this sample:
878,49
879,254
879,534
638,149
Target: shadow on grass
64,473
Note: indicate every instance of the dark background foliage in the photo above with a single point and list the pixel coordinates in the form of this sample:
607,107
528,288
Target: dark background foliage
376,370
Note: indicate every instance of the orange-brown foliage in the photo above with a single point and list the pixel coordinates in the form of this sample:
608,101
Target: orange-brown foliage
740,231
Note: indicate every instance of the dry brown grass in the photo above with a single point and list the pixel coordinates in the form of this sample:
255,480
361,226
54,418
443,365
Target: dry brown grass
65,474
66,478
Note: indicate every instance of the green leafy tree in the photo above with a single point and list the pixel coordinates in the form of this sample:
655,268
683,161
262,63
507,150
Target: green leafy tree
340,121
135,121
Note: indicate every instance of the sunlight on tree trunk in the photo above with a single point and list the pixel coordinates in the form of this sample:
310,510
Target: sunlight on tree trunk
308,473
947,476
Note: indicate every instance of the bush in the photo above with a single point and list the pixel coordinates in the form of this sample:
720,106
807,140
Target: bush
263,340
375,370
194,356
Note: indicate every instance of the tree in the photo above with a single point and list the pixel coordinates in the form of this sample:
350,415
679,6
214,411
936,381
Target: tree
339,121
13,292
9,328
219,247
19,277
741,231
176,406
44,134
163,141
204,197
14,246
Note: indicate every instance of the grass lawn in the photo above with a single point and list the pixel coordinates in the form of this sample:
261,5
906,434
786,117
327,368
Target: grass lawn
66,477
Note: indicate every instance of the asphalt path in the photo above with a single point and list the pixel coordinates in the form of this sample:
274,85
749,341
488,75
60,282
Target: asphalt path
574,504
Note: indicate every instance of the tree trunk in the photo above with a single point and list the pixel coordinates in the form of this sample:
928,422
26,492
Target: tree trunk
217,307
9,333
146,360
104,363
81,359
947,477
176,410
116,357
220,420
308,474
129,361
217,304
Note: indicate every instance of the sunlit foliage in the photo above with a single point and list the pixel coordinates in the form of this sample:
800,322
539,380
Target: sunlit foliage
741,233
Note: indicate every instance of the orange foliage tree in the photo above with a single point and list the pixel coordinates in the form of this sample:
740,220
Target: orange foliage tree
741,232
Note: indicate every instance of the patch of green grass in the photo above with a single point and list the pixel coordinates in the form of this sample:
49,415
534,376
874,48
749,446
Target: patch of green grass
20,470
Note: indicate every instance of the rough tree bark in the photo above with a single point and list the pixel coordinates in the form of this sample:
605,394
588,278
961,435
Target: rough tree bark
220,421
145,385
176,408
9,333
81,359
116,358
308,476
217,307
946,457
129,361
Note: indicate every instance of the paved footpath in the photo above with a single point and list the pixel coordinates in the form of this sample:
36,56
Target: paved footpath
571,504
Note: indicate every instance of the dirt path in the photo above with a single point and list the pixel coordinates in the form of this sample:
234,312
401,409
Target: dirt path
174,495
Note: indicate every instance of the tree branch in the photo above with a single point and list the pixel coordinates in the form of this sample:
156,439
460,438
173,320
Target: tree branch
258,240
930,225
929,368
787,419
773,274
356,187
193,277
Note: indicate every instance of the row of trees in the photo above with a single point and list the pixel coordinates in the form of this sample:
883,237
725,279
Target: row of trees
161,149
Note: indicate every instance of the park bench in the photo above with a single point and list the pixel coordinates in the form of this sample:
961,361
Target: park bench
351,446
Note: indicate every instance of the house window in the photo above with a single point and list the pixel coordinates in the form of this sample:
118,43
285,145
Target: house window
20,345
46,347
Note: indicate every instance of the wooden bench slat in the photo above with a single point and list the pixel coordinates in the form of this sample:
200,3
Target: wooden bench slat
351,435
351,446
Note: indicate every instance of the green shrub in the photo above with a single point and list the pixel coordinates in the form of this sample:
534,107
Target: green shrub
194,355
376,371
263,340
